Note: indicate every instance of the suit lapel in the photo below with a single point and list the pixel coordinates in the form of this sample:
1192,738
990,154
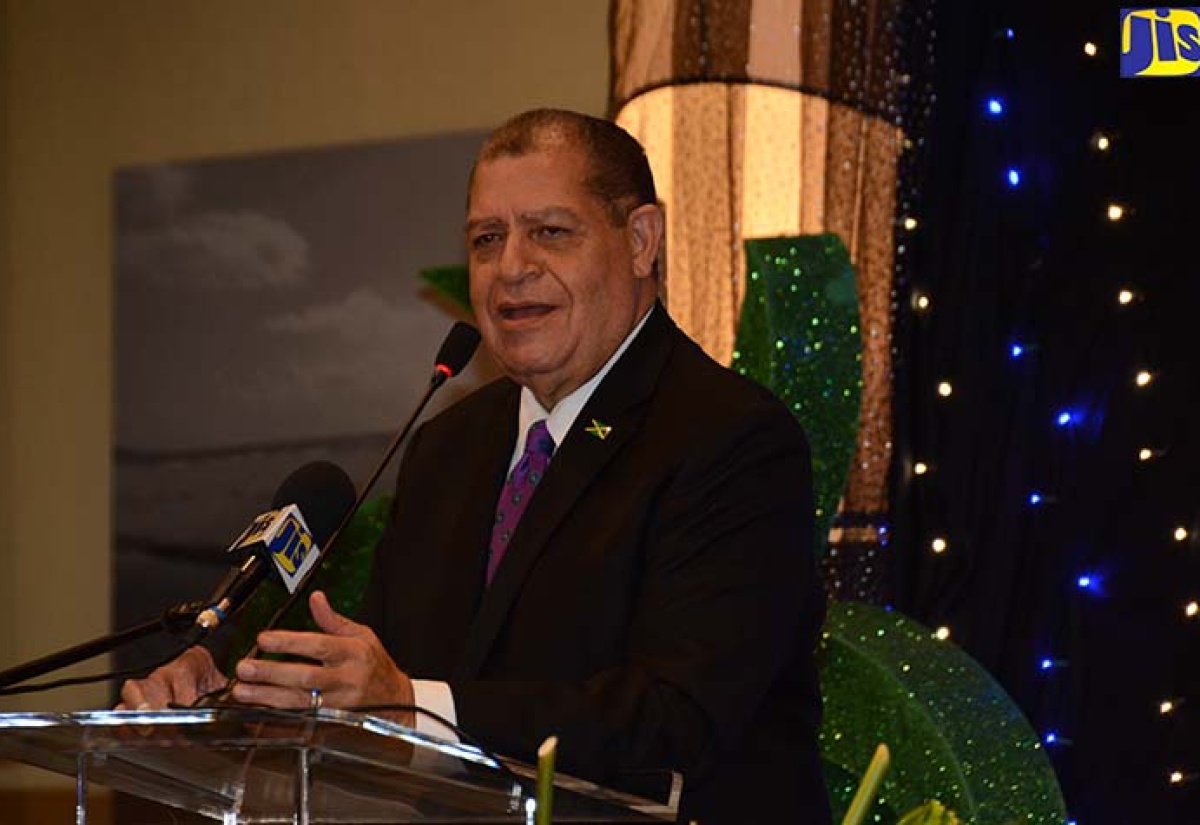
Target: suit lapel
486,451
619,403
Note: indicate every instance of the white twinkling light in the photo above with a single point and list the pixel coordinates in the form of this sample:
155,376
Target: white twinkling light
945,389
1166,706
1090,49
1145,454
938,545
1181,534
1191,609
1115,212
920,468
921,302
942,633
1125,297
1143,378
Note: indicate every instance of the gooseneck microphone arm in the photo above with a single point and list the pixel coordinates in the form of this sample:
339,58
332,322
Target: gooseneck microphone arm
456,351
173,620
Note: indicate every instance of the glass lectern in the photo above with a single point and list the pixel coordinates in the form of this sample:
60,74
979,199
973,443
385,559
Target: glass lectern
253,765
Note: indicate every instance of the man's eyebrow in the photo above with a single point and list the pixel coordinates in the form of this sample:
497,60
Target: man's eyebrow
478,223
536,216
549,213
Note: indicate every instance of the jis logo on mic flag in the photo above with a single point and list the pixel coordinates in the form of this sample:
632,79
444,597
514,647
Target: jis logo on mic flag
287,540
1160,42
291,543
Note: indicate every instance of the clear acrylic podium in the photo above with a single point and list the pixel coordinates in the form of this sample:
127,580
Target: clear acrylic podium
251,765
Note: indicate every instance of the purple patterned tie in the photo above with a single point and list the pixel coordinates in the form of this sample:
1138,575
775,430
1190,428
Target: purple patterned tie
514,498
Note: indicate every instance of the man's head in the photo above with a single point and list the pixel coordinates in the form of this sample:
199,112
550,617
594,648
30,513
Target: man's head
618,171
562,233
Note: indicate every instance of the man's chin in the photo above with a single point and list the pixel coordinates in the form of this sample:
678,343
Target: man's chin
541,372
527,370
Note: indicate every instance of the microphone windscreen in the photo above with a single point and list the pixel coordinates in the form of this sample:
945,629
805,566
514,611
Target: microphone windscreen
324,494
457,349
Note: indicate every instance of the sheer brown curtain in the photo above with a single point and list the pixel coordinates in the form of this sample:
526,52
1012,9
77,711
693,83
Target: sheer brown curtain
767,118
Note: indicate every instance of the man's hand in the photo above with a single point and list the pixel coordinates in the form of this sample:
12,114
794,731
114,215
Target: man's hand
351,668
182,681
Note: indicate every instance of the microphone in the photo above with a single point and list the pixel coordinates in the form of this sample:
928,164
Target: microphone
309,512
456,351
457,348
284,542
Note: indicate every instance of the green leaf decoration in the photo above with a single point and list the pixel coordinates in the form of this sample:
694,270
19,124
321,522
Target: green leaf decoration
931,813
954,734
799,336
451,282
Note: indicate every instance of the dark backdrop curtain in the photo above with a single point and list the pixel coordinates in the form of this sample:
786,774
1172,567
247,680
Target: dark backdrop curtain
1040,265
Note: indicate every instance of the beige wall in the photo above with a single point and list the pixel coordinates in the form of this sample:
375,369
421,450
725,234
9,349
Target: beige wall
89,86
6,644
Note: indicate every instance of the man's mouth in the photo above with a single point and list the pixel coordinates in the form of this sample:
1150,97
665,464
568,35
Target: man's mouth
514,313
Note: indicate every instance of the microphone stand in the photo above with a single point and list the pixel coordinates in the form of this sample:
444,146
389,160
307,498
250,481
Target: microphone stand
456,351
181,617
174,620
439,378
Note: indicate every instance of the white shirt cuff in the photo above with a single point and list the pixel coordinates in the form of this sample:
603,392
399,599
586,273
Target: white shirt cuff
436,697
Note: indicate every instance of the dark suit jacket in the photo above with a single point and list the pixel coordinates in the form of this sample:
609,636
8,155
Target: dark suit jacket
657,606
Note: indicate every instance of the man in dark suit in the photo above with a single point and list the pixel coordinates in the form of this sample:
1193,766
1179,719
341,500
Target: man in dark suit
612,545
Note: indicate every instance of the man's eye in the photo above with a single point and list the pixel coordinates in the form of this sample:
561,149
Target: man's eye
485,240
553,231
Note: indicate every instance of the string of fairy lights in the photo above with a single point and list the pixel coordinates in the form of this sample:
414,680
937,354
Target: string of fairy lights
1127,298
1103,145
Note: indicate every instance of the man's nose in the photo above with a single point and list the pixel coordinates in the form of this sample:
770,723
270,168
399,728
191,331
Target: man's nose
517,260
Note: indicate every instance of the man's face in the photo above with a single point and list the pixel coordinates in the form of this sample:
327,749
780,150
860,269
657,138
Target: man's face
555,285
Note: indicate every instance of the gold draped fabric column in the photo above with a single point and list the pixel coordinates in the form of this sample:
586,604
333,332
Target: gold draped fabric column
766,118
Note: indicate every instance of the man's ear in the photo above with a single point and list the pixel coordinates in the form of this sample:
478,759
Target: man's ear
646,226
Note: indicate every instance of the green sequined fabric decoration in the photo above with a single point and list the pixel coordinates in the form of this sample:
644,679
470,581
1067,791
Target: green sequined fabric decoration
799,336
343,576
954,734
